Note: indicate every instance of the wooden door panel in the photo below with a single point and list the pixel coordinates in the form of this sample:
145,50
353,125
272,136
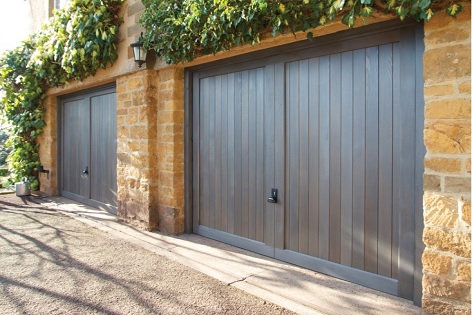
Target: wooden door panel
232,151
75,147
336,130
103,148
88,143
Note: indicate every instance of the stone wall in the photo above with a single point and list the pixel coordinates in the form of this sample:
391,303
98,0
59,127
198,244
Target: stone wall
446,259
170,146
136,96
48,148
150,169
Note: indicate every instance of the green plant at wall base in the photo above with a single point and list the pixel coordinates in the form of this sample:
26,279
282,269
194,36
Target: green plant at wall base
73,45
183,29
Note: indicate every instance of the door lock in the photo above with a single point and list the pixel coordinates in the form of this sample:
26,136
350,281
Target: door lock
273,196
85,171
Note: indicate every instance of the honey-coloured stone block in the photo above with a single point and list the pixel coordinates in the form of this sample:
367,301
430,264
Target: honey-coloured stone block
431,182
440,143
433,306
443,165
455,184
465,212
436,263
440,211
463,271
462,310
455,242
438,90
448,109
446,62
444,288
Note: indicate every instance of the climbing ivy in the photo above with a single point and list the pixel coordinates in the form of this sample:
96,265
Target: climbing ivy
72,45
180,30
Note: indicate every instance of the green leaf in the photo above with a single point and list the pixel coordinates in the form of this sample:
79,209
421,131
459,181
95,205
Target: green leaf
367,11
427,15
454,9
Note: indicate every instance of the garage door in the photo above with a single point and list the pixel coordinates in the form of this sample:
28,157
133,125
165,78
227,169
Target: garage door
88,148
314,156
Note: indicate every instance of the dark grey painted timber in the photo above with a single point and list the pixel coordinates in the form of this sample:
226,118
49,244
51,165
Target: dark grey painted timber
384,284
88,141
336,129
346,167
407,129
236,240
103,146
231,151
75,144
419,155
188,147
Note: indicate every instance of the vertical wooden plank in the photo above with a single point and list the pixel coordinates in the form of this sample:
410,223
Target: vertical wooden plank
84,147
407,163
260,174
396,120
269,148
218,143
231,153
245,154
211,153
347,95
324,151
292,153
238,153
358,189
419,165
196,185
252,154
69,147
335,159
385,160
224,152
372,151
206,165
314,119
304,140
279,134
204,151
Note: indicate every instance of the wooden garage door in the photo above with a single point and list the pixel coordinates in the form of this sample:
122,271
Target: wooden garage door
336,130
88,148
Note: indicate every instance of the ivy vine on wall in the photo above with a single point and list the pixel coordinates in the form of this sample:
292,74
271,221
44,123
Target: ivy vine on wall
73,45
183,29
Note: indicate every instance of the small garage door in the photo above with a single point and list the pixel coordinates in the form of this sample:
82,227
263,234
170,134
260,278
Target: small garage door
88,148
333,131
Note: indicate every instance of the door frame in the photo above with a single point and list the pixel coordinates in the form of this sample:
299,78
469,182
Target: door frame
338,41
111,87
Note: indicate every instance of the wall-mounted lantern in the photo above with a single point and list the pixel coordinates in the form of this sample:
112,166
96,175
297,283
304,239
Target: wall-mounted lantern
139,52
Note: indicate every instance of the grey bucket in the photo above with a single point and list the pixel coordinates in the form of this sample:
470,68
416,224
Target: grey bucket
22,188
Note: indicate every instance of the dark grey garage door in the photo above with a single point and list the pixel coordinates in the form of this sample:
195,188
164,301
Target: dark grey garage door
335,128
88,148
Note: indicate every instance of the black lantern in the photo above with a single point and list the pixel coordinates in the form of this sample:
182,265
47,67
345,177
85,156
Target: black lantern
139,52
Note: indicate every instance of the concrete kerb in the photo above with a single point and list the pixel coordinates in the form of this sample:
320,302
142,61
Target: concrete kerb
291,287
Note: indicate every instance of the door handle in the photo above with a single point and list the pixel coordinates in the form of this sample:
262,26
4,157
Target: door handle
85,171
273,196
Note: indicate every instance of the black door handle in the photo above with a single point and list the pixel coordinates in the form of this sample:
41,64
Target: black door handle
273,197
85,171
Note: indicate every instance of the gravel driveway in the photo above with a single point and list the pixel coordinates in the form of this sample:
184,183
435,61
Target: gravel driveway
53,264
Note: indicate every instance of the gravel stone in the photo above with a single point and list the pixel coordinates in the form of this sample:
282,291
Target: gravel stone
53,264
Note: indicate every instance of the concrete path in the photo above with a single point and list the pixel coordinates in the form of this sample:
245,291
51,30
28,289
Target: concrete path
293,288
